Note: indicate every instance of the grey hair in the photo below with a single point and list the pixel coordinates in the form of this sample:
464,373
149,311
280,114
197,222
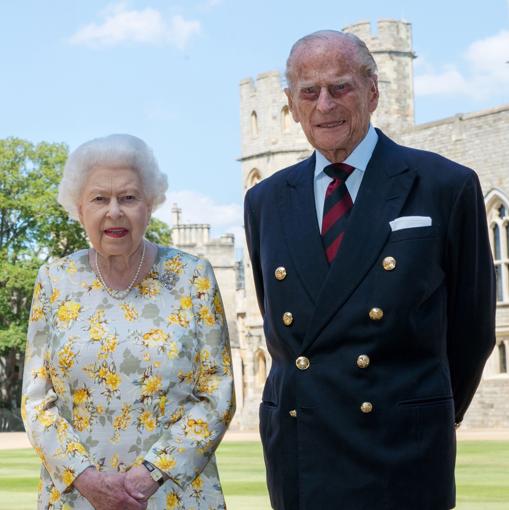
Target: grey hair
366,61
117,150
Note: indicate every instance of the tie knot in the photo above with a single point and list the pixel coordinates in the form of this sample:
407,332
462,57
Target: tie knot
339,171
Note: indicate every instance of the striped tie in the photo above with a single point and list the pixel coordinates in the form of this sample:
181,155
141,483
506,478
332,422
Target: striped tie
336,208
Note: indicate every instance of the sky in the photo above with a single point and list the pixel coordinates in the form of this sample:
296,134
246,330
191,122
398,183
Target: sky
169,72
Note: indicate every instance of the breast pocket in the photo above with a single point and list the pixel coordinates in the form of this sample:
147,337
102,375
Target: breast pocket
413,233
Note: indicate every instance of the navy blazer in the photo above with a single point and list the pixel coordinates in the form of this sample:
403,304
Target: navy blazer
426,353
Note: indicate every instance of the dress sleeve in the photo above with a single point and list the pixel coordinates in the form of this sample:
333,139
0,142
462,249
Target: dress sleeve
52,436
186,446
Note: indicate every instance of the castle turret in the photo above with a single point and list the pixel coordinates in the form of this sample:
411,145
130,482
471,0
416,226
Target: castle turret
392,49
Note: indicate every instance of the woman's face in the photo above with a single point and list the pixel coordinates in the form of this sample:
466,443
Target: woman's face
114,210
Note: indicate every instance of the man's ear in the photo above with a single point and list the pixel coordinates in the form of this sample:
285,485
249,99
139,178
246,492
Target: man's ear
291,105
373,93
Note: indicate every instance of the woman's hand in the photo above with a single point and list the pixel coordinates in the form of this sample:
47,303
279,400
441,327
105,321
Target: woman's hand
139,484
107,491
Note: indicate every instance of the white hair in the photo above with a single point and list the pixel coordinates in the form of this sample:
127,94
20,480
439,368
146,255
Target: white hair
364,57
116,151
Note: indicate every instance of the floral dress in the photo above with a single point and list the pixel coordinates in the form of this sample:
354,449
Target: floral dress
109,383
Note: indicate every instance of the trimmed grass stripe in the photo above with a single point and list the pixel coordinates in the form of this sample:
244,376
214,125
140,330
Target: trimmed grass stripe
481,475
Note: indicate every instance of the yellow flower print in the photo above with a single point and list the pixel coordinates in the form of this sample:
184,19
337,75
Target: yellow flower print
54,296
37,290
39,486
172,501
218,304
66,507
149,287
179,319
39,372
108,346
97,331
58,383
165,462
46,418
197,483
75,447
130,313
66,357
62,427
121,421
147,420
227,362
96,284
173,350
151,386
115,461
162,405
103,372
37,314
202,284
174,265
112,381
81,419
71,267
54,495
186,302
155,336
81,395
206,316
68,476
67,312
207,383
99,409
197,428
186,376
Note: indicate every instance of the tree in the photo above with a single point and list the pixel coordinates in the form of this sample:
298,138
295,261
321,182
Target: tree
34,228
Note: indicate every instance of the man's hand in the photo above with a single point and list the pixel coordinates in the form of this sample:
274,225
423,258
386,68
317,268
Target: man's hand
107,491
139,484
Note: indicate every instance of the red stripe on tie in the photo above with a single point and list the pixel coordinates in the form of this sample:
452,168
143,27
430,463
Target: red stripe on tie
336,208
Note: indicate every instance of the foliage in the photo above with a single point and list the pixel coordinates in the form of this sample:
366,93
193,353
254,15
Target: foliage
158,232
33,228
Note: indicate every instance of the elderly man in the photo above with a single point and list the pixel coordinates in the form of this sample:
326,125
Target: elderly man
375,280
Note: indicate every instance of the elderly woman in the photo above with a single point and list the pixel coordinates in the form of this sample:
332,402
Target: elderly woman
128,384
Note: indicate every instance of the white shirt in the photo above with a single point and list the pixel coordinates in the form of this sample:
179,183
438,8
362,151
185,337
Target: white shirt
359,159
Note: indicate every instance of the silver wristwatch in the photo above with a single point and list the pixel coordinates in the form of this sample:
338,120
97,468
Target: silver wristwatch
155,473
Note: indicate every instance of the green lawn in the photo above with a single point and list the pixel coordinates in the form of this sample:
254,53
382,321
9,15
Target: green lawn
482,476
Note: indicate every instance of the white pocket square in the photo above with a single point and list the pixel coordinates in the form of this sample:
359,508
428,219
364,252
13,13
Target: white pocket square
410,222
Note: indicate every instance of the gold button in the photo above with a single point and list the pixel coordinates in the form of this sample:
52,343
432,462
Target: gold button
366,407
389,263
363,361
293,413
287,318
302,363
280,273
375,314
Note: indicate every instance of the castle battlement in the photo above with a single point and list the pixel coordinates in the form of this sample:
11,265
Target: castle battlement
390,35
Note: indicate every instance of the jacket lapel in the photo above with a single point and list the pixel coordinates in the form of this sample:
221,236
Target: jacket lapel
383,192
300,227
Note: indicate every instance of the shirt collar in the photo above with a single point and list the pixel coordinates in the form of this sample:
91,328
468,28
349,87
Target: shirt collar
360,156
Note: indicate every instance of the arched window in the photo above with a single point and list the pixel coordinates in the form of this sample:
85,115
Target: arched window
254,124
285,119
253,177
498,219
261,368
502,358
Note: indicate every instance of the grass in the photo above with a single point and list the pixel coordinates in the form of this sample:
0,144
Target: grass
481,475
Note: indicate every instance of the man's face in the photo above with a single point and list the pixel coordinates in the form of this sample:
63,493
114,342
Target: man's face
330,98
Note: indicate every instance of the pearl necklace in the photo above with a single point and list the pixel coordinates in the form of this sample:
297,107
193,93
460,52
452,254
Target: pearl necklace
114,293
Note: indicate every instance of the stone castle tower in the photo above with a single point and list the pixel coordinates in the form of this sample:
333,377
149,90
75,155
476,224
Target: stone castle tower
271,140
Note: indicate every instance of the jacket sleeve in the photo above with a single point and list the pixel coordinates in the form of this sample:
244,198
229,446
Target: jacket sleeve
251,226
185,448
471,294
50,433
